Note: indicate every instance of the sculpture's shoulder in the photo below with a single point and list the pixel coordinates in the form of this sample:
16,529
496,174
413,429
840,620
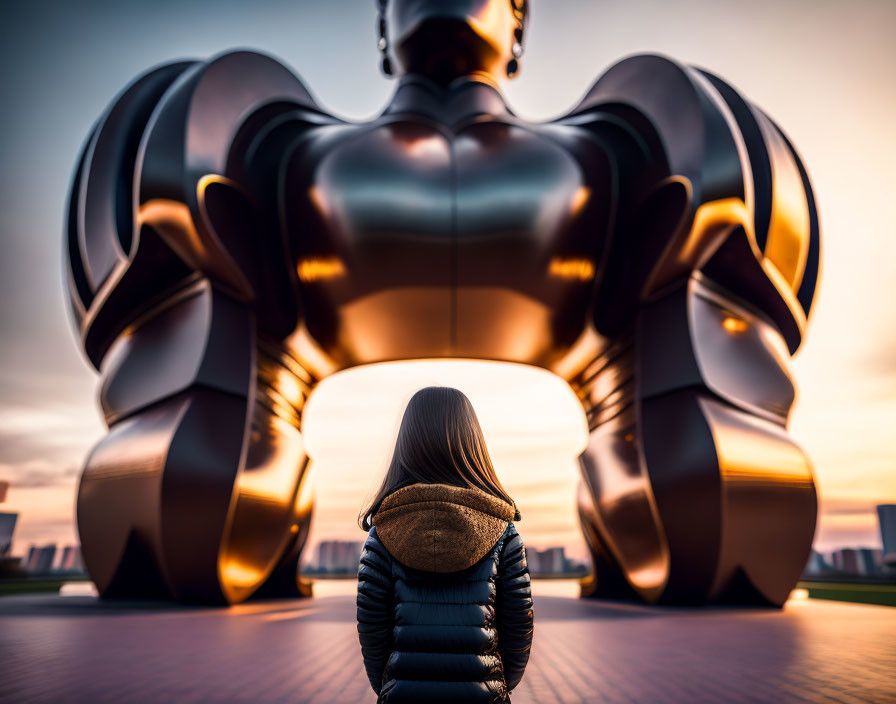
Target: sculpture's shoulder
226,102
698,125
247,78
676,117
193,135
179,122
196,117
679,126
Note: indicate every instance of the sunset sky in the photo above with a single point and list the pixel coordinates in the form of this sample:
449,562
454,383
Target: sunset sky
823,70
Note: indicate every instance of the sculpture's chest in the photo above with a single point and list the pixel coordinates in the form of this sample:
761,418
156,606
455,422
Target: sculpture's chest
495,216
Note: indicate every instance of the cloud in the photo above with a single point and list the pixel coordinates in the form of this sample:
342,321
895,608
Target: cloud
838,506
44,440
880,359
38,474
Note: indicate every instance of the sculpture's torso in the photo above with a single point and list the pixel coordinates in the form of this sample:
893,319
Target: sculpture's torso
449,229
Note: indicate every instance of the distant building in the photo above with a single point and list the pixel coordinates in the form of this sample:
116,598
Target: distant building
551,561
849,560
71,559
548,561
886,514
338,556
533,560
858,561
817,565
343,557
40,560
868,560
7,526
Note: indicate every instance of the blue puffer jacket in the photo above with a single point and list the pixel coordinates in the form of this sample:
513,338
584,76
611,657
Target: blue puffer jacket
444,601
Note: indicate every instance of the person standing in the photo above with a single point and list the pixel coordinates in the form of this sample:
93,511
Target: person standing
444,604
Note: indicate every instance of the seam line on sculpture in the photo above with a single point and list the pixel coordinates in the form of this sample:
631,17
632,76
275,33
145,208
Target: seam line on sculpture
452,172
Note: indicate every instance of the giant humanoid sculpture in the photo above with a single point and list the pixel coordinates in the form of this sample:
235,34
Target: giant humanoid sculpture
230,244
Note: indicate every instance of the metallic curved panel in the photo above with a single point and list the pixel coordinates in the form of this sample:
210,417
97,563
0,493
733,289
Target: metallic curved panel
741,173
713,321
100,224
105,228
771,156
617,484
769,506
657,248
198,490
227,470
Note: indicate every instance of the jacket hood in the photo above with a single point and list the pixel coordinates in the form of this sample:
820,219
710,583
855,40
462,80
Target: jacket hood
441,528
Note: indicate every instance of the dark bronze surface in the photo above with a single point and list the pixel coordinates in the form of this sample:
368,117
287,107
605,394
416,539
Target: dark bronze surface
230,244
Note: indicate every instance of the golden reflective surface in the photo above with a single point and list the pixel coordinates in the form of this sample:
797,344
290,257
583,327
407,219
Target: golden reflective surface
742,358
770,502
787,245
272,502
626,516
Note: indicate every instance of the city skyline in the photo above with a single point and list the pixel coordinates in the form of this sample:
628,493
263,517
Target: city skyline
341,558
312,555
336,556
534,428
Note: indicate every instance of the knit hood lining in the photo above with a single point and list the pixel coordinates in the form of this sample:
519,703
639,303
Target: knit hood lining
439,527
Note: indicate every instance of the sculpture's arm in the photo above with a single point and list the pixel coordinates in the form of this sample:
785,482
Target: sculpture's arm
708,183
692,489
181,293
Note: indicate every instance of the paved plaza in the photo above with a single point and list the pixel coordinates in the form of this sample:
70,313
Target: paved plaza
78,649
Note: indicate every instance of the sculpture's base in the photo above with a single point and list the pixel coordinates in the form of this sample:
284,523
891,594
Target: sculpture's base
307,651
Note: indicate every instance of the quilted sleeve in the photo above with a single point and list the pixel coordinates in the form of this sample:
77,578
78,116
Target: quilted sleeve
375,608
513,607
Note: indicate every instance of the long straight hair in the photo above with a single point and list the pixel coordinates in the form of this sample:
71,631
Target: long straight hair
439,442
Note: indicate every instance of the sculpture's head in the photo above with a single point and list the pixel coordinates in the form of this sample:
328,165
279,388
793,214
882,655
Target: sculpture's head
445,39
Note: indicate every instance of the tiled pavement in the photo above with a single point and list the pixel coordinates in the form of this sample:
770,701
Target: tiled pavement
75,649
